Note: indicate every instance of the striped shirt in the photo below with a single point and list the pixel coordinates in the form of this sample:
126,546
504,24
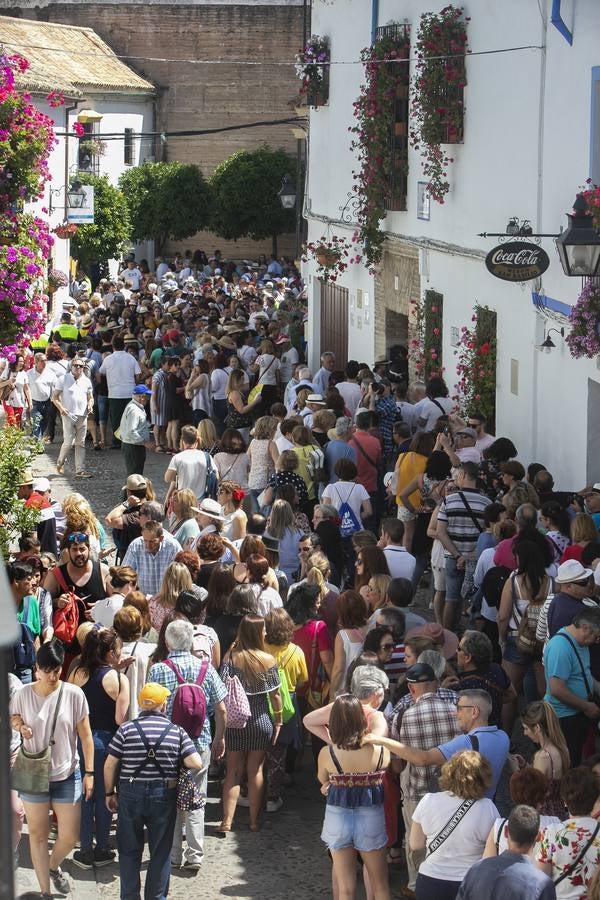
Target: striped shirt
128,746
462,530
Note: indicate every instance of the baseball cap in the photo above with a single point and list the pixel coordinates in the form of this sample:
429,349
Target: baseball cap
420,673
152,695
41,485
135,483
141,389
469,432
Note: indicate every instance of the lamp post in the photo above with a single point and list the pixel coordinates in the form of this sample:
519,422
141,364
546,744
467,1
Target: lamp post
579,246
289,200
76,195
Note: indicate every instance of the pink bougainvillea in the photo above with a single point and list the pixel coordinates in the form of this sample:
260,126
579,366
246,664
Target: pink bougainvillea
26,140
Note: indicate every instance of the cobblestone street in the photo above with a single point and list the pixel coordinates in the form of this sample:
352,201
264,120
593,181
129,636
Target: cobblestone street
287,858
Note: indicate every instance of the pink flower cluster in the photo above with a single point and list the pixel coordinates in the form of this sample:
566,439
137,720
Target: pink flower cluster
584,339
332,255
475,387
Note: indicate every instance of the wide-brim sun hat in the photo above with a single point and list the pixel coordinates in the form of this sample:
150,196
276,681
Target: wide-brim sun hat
211,509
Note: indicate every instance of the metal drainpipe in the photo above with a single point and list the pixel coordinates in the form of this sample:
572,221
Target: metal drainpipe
559,23
374,19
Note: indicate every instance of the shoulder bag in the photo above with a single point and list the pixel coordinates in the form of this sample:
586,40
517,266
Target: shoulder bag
31,771
450,825
288,710
236,700
589,691
257,389
571,868
527,622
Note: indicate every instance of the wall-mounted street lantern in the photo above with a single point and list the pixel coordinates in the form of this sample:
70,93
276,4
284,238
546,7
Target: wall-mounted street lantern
287,194
548,344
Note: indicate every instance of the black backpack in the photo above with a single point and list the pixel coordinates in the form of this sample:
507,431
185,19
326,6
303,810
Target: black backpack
493,584
24,650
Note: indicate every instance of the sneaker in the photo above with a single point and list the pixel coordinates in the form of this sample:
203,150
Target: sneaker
243,801
191,866
274,805
83,859
60,881
104,857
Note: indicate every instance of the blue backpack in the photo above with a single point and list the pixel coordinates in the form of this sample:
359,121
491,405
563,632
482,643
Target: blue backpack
24,650
349,523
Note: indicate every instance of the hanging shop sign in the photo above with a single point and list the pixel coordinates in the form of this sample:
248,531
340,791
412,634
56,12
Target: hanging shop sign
517,261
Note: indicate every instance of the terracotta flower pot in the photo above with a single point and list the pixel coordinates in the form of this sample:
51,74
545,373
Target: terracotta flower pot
326,258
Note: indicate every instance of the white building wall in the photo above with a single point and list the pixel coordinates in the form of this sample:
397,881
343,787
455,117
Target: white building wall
525,153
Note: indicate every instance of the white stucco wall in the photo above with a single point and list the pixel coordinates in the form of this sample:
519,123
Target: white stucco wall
525,153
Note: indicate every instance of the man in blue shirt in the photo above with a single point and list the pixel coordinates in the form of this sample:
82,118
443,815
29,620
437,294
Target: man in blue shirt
512,873
338,447
472,710
570,687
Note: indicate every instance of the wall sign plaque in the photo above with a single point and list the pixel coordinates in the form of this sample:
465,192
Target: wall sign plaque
517,261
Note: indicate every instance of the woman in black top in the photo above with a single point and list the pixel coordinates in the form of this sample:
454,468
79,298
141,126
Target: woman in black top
242,602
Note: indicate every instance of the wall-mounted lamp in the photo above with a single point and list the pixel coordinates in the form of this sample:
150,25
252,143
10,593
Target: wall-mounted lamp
548,344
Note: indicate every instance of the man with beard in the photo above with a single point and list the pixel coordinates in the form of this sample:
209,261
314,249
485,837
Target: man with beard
86,577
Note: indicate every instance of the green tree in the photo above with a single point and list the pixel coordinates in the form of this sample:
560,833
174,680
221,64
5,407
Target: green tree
166,201
245,196
17,450
111,231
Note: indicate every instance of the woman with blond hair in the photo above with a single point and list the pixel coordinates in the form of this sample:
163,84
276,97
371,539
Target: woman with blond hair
207,436
177,578
263,455
540,725
79,516
318,573
583,530
183,525
281,526
375,592
246,747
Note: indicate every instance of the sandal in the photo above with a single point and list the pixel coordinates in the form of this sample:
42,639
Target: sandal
395,855
223,828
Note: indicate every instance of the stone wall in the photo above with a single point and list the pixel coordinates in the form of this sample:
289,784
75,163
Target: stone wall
240,84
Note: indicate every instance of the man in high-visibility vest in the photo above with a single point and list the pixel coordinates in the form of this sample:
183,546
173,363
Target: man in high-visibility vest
66,333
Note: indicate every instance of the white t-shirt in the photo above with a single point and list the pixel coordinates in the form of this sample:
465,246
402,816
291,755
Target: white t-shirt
41,384
38,713
464,846
132,278
269,366
267,599
190,466
247,355
103,611
484,442
429,411
75,393
17,398
218,383
289,359
136,671
120,369
352,395
469,454
349,492
503,842
282,444
400,562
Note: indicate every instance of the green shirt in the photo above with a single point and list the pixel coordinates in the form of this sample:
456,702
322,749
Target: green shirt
33,616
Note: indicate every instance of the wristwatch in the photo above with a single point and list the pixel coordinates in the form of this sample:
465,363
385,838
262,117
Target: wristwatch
89,773
111,793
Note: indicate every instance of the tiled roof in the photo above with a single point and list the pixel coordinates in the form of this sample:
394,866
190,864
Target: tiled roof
68,58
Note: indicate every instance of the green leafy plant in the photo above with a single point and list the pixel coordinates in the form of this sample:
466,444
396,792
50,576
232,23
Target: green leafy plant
167,201
312,68
93,146
332,254
374,114
425,347
476,365
111,230
17,450
245,196
437,109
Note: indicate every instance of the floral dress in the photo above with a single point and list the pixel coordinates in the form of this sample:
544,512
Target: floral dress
561,845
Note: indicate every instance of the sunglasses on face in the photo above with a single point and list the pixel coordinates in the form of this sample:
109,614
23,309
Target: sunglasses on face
79,537
76,366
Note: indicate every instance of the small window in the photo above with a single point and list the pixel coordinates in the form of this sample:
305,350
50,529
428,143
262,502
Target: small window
128,147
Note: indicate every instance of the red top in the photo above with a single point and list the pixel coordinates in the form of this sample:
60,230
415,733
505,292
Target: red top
365,446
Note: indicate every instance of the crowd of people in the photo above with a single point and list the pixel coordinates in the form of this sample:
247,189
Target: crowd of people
268,604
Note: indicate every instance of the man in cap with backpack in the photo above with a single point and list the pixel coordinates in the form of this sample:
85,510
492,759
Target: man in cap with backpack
196,692
140,782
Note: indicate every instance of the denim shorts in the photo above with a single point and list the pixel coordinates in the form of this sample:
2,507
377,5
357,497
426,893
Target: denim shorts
514,654
362,828
454,581
102,406
66,791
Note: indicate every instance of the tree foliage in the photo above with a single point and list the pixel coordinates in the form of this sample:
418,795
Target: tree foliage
108,236
245,195
166,201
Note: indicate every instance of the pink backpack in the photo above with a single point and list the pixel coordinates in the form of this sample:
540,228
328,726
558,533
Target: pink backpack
189,703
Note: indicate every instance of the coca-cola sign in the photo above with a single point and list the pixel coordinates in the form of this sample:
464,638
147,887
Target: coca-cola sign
517,261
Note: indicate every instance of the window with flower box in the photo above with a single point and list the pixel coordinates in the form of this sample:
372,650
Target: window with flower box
399,72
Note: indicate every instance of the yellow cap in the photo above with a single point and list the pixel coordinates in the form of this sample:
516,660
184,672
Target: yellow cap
152,695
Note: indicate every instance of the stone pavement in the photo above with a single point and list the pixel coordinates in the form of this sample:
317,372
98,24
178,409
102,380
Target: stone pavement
287,858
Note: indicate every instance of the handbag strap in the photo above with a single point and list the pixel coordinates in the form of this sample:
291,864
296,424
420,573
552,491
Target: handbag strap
579,660
470,511
449,827
570,869
60,580
56,711
365,454
499,835
439,406
264,372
